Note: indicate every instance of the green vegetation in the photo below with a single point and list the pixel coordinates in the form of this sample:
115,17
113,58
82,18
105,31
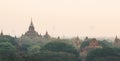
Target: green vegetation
105,44
60,47
12,50
51,56
57,50
104,54
7,48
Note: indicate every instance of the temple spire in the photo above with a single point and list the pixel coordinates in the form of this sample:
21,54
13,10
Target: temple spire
77,38
46,32
31,22
31,27
58,37
116,38
86,38
47,35
1,33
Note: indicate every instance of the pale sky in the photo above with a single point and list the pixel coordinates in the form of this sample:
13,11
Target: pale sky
65,18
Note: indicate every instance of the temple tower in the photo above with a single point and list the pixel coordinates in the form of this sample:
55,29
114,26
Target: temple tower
46,35
1,33
116,42
31,33
31,27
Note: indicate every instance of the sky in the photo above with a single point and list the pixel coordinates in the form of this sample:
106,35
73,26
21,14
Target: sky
64,18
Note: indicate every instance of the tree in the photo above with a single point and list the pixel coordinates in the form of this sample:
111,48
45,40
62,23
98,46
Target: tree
7,52
7,38
51,56
104,54
34,49
105,44
60,47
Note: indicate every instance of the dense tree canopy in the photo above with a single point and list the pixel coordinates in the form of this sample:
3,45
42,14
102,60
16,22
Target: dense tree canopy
7,38
7,52
53,50
34,49
6,47
60,47
104,54
51,56
105,44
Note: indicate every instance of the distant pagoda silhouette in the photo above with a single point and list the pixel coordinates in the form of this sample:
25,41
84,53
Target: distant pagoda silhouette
31,33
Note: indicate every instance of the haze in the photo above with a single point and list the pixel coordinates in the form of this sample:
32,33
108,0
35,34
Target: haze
65,18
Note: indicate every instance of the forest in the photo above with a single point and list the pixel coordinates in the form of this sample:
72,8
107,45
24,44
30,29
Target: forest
12,50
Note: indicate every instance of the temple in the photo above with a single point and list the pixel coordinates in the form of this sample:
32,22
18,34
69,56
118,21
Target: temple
116,42
1,34
31,33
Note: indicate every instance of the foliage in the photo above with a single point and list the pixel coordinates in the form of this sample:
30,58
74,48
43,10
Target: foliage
104,54
7,38
105,44
60,47
7,52
51,56
6,47
34,49
24,48
54,50
85,43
